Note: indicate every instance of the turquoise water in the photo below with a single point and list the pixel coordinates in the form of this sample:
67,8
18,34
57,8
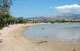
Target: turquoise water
67,32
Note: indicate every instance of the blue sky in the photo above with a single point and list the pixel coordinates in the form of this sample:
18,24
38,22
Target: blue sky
32,8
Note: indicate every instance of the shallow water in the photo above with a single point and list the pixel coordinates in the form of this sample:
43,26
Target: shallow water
67,32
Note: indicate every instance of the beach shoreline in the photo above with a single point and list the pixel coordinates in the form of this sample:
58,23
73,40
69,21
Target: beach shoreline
13,39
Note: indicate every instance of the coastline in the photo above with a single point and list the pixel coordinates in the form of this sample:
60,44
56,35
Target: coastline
12,39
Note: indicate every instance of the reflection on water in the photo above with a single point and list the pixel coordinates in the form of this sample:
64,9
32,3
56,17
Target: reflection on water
68,32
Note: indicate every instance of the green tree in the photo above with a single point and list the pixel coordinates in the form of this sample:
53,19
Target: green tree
4,6
20,19
4,12
3,20
60,21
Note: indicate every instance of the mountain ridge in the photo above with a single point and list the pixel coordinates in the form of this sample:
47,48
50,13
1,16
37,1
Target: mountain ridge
58,17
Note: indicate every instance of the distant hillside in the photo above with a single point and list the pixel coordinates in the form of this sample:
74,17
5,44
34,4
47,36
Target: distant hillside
66,17
58,17
40,18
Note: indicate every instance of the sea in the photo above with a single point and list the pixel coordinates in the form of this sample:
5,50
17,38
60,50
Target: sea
69,32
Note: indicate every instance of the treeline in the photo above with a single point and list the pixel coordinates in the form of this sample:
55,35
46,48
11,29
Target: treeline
7,19
53,21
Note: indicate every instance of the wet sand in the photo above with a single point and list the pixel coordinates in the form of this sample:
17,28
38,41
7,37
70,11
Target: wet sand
12,39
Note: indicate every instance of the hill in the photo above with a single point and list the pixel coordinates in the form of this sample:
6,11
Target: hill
58,17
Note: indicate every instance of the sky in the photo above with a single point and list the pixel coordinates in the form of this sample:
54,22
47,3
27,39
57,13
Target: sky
32,8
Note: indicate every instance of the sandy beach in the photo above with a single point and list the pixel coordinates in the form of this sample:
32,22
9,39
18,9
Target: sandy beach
12,39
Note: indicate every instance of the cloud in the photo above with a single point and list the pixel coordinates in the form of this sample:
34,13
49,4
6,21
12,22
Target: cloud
68,8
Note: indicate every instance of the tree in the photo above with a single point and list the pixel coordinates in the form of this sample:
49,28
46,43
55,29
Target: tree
4,6
4,12
20,19
45,21
60,21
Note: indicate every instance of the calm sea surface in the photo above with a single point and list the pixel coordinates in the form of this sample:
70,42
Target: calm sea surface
67,32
